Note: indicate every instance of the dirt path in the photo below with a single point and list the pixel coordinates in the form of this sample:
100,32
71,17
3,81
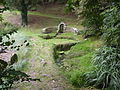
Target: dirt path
42,65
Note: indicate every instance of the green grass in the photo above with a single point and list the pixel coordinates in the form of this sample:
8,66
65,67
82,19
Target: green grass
77,68
78,61
37,34
66,35
70,35
45,15
84,47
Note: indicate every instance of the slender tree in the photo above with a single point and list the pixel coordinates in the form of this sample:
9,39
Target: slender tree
23,6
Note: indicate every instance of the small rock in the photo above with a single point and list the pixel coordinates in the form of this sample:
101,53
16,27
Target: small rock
43,62
54,89
53,81
45,75
85,39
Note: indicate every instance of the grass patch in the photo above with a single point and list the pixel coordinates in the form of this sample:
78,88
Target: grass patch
66,35
77,67
44,15
47,36
70,35
82,48
78,61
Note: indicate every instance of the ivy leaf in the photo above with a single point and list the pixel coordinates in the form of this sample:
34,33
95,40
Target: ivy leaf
8,43
14,59
3,64
17,73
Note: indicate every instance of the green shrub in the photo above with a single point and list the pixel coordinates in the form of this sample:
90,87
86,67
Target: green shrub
90,11
91,33
107,73
71,4
7,28
107,58
111,26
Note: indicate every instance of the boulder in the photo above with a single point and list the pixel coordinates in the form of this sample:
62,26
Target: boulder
49,30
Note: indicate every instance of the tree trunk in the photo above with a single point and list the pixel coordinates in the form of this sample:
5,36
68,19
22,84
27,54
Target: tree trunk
24,14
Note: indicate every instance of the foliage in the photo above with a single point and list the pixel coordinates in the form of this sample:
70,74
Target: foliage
16,4
106,59
90,11
107,73
7,28
71,4
1,18
21,65
15,41
9,75
111,26
2,9
53,1
23,6
9,71
91,33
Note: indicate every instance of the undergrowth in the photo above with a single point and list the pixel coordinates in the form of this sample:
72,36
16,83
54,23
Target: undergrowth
107,72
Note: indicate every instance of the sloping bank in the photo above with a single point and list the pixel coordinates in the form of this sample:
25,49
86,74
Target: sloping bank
75,60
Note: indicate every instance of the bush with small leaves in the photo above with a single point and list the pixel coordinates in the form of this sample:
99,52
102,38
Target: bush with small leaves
111,26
